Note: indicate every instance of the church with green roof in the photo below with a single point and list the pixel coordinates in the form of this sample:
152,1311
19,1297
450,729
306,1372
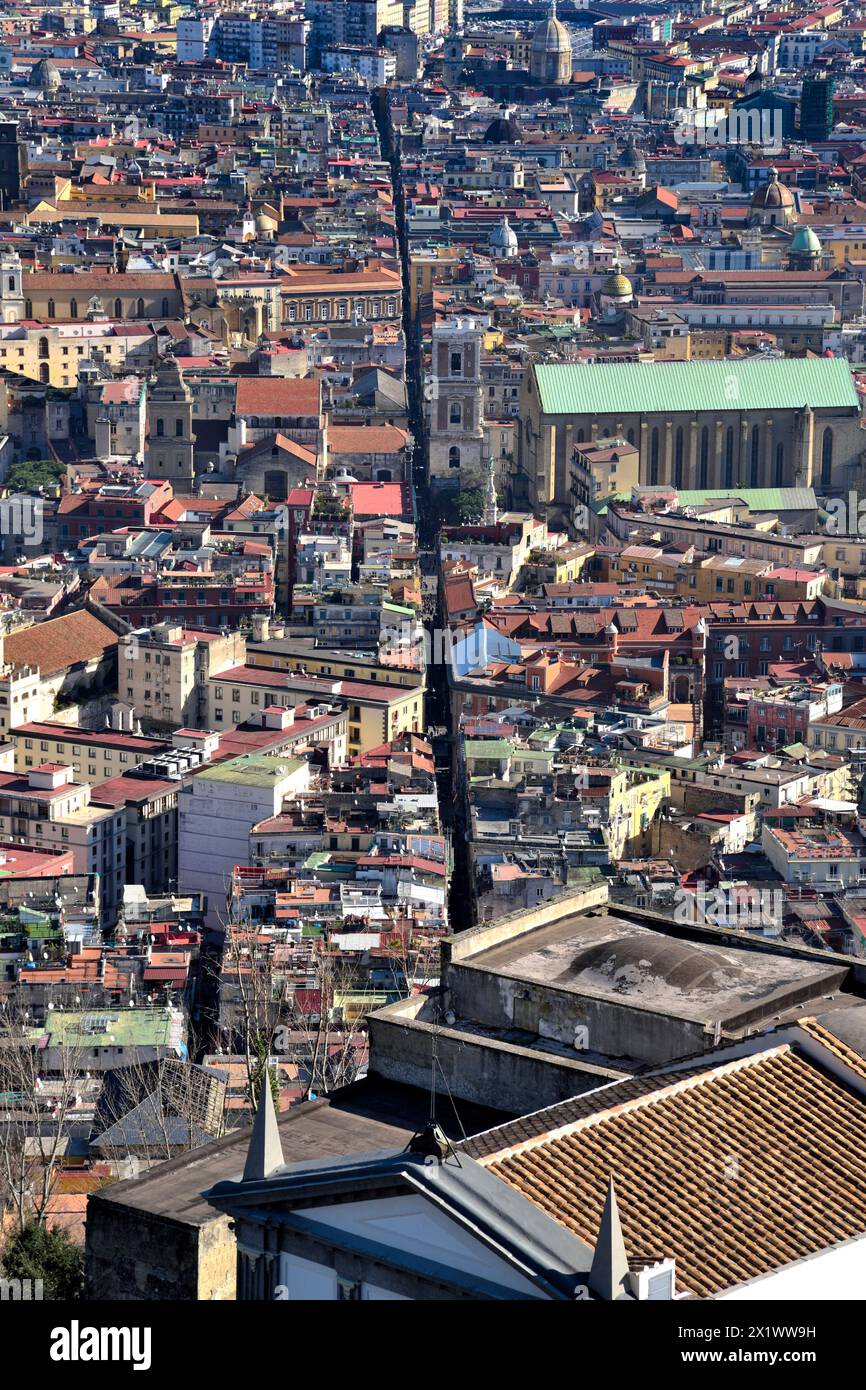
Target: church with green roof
761,422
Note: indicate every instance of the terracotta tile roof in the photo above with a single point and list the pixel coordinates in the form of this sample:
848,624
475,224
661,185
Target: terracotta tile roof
835,1045
735,1171
60,642
292,396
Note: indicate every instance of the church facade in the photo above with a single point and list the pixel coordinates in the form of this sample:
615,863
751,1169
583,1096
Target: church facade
747,423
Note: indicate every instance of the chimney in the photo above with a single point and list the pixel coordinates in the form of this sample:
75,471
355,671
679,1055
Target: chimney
102,434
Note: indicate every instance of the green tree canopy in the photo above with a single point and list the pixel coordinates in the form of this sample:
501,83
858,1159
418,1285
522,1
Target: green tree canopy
38,1253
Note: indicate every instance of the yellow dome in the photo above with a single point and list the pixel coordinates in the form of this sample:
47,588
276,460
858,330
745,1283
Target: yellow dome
618,286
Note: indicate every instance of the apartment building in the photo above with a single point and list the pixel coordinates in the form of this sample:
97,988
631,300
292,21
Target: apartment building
46,808
163,671
377,712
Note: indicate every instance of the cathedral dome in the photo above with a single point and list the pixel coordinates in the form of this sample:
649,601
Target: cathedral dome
617,286
550,50
503,239
805,240
46,75
772,194
632,159
503,130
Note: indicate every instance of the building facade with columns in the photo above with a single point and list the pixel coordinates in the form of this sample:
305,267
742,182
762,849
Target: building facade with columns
731,423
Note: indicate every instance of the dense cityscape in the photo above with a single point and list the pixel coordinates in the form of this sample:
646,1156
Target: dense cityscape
432,652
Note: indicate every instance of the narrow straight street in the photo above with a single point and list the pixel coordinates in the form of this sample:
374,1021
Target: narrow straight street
438,705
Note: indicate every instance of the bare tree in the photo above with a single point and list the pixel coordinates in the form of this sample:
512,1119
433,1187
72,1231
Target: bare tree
150,1111
36,1105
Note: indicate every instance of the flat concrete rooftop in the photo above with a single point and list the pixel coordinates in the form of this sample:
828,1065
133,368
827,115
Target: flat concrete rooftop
611,957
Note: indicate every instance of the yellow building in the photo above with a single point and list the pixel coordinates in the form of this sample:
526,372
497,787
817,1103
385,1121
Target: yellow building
378,713
52,352
54,295
281,655
321,296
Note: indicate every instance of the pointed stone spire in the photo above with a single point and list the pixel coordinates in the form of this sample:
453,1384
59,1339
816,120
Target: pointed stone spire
607,1276
265,1153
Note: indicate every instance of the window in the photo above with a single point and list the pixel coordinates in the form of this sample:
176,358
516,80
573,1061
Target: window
704,466
51,313
654,457
43,347
160,427
453,457
456,363
118,309
678,457
165,310
729,457
754,463
826,457
455,413
178,427
73,308
139,308
780,465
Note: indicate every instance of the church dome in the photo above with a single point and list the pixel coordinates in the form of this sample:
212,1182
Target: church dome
617,286
805,240
503,130
773,194
503,238
550,50
551,36
46,75
631,158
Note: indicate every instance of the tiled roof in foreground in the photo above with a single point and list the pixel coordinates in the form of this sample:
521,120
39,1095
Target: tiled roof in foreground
736,1170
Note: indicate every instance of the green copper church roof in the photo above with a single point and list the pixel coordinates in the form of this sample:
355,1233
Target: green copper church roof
609,388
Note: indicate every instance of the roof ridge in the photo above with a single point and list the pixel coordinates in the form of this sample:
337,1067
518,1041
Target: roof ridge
637,1103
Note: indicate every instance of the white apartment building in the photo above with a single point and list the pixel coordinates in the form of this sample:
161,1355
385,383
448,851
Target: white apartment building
217,808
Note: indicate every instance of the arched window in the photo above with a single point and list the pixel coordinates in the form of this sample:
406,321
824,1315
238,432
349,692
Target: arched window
165,309
826,457
139,308
753,462
580,438
453,457
43,371
729,457
276,484
455,413
630,436
73,308
704,467
28,309
118,309
51,308
654,457
43,347
678,457
780,466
